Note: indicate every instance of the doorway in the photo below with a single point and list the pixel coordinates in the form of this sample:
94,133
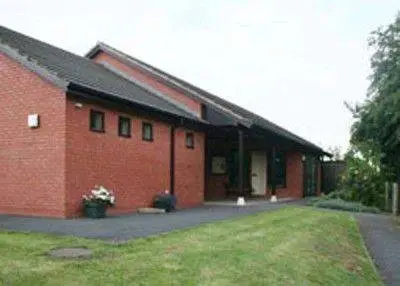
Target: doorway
259,172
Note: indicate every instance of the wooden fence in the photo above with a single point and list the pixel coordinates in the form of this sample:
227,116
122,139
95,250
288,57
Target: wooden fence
330,175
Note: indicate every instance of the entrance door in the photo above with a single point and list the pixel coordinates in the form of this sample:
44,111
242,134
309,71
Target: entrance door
258,172
310,176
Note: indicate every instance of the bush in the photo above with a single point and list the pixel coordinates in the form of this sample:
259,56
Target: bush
166,202
310,201
339,194
339,204
363,180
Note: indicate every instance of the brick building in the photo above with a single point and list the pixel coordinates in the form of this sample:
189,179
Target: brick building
71,122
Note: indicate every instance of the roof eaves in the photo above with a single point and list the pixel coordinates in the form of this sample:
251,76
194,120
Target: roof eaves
33,66
108,49
290,136
113,97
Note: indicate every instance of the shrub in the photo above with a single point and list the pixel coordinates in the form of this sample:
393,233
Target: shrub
363,179
310,201
339,194
339,204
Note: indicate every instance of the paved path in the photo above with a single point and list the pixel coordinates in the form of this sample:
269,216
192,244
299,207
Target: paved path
382,237
122,228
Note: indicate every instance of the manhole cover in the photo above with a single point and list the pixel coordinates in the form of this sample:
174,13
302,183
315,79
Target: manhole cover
71,253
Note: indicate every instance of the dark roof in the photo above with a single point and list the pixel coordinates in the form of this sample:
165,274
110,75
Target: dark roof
66,69
222,109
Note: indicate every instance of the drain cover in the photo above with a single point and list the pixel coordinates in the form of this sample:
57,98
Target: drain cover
71,252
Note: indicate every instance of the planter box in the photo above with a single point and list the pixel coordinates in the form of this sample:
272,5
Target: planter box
94,210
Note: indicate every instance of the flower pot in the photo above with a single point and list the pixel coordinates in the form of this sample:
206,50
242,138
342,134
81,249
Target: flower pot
166,202
95,210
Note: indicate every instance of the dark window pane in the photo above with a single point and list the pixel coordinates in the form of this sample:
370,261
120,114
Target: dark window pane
96,121
190,140
124,126
147,132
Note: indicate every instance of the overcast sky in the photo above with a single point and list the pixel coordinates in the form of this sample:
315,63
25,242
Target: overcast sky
292,62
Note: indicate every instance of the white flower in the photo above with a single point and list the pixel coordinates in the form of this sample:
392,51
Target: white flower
102,197
95,192
101,193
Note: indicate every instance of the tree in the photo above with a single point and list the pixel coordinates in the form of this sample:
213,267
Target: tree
363,179
377,122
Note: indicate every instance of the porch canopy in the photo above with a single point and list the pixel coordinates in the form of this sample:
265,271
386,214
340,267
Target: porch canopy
234,128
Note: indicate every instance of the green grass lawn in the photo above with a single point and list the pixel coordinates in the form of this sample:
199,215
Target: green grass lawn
291,246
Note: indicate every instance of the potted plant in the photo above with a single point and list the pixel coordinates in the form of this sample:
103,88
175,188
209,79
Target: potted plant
165,201
96,204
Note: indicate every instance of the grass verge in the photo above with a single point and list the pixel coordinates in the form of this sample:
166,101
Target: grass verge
291,246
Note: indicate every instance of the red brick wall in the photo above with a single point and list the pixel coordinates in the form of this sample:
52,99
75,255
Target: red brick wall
216,188
189,169
32,161
134,169
150,80
294,177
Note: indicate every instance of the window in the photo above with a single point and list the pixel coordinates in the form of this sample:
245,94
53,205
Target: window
218,165
280,170
147,131
190,140
96,121
124,126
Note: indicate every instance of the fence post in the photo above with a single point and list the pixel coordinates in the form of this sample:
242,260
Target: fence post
395,206
387,199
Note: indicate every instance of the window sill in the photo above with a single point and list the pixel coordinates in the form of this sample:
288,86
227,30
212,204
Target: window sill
98,131
125,136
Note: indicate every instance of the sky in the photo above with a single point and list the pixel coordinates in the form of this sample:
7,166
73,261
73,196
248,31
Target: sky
293,62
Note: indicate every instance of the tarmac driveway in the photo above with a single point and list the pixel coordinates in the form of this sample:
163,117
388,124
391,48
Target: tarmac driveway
121,228
382,238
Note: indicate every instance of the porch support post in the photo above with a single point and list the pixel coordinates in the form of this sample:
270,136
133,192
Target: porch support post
241,168
273,174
